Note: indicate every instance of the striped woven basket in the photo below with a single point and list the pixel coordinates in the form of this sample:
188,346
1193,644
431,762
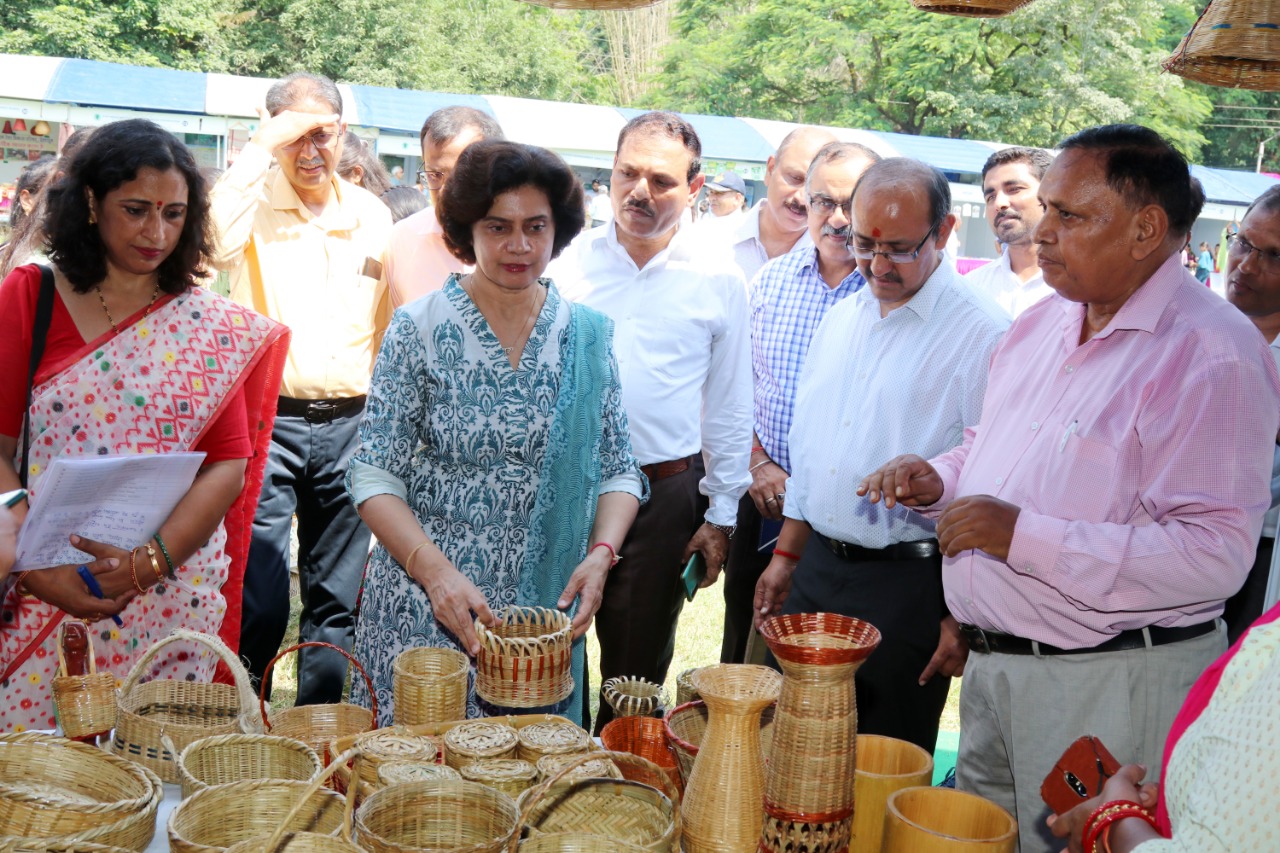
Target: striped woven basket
1234,43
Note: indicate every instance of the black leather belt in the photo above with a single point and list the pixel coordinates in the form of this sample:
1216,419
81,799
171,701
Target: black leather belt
320,411
920,550
986,642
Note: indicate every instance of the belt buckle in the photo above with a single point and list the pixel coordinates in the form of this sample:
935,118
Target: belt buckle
320,412
977,639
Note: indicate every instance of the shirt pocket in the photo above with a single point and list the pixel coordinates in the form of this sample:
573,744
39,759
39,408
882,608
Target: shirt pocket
1079,480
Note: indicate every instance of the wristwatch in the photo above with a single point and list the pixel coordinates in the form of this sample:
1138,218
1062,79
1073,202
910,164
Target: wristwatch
727,529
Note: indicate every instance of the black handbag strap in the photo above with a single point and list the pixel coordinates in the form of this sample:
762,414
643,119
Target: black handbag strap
39,332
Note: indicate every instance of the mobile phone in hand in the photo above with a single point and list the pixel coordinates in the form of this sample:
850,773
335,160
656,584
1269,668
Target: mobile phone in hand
1079,775
695,572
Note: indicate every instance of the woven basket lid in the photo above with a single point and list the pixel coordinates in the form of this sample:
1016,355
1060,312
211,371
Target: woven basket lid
1234,43
970,8
500,770
481,738
553,737
399,772
397,743
598,768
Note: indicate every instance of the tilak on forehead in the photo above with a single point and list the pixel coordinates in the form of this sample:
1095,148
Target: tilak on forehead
875,232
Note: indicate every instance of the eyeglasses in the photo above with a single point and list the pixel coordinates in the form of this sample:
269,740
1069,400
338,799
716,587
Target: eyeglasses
432,180
866,253
1242,248
827,205
320,139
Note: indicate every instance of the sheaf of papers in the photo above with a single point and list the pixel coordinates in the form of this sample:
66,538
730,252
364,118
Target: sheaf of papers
119,500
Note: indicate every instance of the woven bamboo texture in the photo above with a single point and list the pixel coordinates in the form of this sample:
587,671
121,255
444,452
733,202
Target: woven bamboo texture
684,687
34,845
236,758
284,839
525,659
631,697
430,686
511,776
783,834
944,820
643,810
1234,43
686,725
53,786
645,737
182,712
457,816
722,802
885,765
398,743
214,818
970,8
317,725
595,5
400,772
479,739
86,704
551,738
132,832
575,842
597,768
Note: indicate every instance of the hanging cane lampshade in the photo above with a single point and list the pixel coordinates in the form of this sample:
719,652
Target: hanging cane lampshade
595,5
970,8
1234,43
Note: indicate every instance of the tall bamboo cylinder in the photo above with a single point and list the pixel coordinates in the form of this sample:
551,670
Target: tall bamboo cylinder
943,820
885,765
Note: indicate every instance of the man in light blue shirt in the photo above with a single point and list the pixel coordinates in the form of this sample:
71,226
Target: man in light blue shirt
900,364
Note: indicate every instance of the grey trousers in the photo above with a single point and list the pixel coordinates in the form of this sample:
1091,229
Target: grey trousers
1019,713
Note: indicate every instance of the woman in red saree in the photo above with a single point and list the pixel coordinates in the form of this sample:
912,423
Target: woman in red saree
137,358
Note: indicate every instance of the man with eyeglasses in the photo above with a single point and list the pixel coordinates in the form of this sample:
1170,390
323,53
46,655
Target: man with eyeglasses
789,297
1110,499
418,262
901,363
1253,286
305,248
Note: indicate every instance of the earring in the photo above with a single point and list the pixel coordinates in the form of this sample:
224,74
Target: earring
93,220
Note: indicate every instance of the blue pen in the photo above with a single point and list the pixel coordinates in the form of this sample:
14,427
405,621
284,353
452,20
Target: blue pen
92,582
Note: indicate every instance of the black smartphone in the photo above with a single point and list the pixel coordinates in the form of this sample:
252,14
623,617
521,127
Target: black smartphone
695,572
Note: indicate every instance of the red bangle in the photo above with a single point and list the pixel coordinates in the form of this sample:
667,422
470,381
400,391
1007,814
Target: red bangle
757,448
1108,813
787,554
613,555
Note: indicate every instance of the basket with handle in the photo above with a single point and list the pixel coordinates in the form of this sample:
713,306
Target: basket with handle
970,8
438,815
317,725
1234,43
160,716
645,737
235,758
631,697
430,685
642,809
286,840
86,704
525,659
213,819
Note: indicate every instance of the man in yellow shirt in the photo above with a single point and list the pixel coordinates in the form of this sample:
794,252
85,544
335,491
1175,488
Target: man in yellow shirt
306,248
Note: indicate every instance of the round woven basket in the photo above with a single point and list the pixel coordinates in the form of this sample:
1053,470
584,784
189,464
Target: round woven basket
687,724
469,742
970,8
525,660
235,758
645,737
1234,43
214,818
393,744
132,832
36,845
400,772
430,686
631,697
511,776
54,787
597,768
457,816
576,842
284,839
685,691
318,725
551,738
86,704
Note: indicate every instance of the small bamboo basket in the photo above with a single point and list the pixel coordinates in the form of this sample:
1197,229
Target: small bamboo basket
56,787
576,842
86,704
1234,43
479,739
284,840
214,818
597,768
511,776
643,809
441,815
685,691
970,8
525,661
155,721
36,845
317,725
221,759
686,725
645,737
430,686
551,738
394,744
402,772
631,697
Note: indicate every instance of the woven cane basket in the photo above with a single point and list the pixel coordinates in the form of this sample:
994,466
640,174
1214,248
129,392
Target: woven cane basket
221,759
511,776
687,724
597,768
551,738
576,842
645,737
317,725
397,743
159,719
51,786
645,812
525,660
1234,43
400,772
970,8
430,686
457,816
132,832
685,691
284,840
213,819
86,704
631,697
479,739
35,845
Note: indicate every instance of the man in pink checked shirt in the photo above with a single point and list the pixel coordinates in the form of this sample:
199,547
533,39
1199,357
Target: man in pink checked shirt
1110,499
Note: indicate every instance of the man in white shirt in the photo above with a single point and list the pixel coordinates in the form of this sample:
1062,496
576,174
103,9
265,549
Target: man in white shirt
599,208
417,260
903,360
1010,179
683,347
726,196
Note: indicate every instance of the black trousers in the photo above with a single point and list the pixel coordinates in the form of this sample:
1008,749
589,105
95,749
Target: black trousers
746,565
1246,605
902,598
636,623
306,472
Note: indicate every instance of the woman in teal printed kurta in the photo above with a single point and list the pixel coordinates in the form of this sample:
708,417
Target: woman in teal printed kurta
495,466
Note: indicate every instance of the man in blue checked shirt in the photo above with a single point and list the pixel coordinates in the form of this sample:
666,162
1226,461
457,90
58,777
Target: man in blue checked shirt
789,296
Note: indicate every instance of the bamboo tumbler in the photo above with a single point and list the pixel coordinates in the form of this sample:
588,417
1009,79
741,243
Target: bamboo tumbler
885,765
943,820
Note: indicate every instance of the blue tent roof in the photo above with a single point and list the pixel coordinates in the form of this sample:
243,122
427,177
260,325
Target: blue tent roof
1231,186
949,155
106,84
722,137
405,110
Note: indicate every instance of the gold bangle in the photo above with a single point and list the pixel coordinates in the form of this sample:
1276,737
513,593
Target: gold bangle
155,563
408,563
21,579
133,571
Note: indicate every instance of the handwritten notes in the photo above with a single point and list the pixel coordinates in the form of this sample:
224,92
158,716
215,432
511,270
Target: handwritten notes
119,500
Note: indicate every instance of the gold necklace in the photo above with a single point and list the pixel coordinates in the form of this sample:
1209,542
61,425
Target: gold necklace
155,294
525,328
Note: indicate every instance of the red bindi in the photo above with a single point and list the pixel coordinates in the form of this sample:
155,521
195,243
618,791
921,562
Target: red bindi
875,232
159,205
